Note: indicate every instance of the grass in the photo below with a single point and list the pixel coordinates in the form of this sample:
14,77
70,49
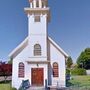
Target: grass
80,82
77,81
5,86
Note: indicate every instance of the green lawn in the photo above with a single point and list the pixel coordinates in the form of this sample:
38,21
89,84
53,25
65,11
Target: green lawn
5,86
80,82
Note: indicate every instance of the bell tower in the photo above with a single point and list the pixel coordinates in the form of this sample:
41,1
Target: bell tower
38,3
38,17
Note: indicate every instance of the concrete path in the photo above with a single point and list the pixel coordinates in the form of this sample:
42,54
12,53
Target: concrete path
8,78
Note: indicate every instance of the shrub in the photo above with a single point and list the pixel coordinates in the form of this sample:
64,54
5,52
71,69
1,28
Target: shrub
67,71
78,71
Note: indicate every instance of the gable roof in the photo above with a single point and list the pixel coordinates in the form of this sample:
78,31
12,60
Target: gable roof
19,48
58,47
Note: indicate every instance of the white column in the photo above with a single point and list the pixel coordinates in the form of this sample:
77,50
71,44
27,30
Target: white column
31,5
40,3
44,4
34,3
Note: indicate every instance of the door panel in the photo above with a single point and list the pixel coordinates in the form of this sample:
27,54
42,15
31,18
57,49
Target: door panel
37,76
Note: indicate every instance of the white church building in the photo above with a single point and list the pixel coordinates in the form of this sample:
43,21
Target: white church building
38,58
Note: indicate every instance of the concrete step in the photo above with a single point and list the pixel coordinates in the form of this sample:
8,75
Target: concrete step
36,88
43,88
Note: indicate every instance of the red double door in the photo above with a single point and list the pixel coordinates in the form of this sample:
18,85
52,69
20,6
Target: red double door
37,76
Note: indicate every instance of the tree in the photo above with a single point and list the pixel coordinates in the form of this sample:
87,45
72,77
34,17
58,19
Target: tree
69,62
83,60
5,70
10,61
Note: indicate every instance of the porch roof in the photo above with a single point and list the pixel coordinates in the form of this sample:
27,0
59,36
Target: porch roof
38,62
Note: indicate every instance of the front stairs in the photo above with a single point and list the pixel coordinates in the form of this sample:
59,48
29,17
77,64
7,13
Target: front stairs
50,88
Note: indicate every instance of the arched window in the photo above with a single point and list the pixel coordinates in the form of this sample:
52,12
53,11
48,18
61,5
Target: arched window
21,70
55,69
37,50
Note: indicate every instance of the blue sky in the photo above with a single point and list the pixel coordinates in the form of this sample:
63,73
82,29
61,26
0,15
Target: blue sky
69,25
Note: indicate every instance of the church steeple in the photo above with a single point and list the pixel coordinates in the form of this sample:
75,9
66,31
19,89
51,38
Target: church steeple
38,17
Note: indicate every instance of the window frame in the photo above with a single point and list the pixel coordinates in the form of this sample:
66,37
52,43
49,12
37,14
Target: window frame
55,69
21,70
37,50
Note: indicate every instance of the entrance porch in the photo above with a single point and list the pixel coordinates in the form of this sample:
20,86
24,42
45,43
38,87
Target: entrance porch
38,74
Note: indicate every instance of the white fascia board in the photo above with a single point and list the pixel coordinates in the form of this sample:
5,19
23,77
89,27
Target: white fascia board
60,49
18,47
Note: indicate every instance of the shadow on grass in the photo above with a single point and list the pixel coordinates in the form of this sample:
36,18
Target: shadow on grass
69,84
5,82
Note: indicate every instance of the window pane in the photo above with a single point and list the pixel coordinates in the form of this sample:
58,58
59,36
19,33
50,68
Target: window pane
37,50
21,70
55,69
